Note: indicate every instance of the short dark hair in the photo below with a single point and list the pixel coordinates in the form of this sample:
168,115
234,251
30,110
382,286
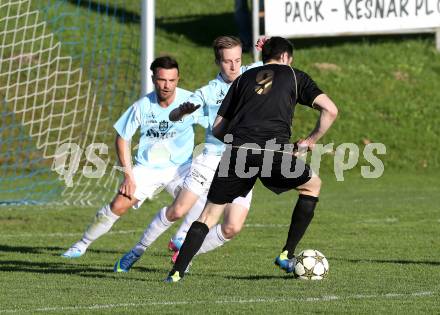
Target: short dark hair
224,42
165,62
274,47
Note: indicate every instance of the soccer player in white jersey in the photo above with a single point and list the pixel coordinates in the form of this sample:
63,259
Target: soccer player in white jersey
227,50
164,155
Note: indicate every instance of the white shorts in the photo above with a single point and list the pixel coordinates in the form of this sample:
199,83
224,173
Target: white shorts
200,177
151,181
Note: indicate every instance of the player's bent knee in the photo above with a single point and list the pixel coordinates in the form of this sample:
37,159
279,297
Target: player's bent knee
176,212
118,208
231,230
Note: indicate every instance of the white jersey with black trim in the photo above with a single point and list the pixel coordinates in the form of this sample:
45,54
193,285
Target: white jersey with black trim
162,142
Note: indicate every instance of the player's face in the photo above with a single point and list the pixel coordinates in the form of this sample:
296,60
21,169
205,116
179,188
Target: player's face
165,83
230,63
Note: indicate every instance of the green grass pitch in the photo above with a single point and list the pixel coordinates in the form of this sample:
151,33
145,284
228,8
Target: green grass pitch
380,237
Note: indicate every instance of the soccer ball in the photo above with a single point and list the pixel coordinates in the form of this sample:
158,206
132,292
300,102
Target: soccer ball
311,265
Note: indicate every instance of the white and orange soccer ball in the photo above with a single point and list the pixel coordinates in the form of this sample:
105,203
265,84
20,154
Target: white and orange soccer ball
311,265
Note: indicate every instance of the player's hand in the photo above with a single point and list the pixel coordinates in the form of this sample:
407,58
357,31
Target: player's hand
302,146
188,108
260,42
183,110
128,187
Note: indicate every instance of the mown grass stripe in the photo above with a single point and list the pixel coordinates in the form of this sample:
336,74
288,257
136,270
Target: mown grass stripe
326,298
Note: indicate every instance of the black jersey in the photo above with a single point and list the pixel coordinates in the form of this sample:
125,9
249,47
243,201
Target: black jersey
261,102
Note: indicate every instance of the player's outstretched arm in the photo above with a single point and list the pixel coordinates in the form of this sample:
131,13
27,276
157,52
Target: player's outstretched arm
221,125
183,110
328,115
128,186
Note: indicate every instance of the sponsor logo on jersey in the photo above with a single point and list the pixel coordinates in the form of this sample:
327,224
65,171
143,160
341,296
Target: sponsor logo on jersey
163,125
154,133
220,96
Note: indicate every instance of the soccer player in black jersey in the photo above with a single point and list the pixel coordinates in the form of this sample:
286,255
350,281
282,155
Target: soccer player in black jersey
255,121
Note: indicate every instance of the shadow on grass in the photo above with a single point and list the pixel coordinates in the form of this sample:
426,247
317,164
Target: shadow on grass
121,14
194,27
202,29
66,266
86,271
301,43
259,277
52,250
391,261
50,267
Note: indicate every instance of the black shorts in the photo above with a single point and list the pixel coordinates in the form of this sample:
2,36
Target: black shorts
279,172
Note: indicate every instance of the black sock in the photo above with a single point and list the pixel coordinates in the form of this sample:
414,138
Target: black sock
193,241
301,217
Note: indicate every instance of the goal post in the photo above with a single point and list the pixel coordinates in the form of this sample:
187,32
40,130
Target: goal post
147,43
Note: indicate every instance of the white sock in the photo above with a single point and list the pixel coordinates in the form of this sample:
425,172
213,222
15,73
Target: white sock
214,239
159,225
192,215
102,223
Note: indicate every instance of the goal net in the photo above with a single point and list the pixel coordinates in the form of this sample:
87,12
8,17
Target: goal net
68,69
